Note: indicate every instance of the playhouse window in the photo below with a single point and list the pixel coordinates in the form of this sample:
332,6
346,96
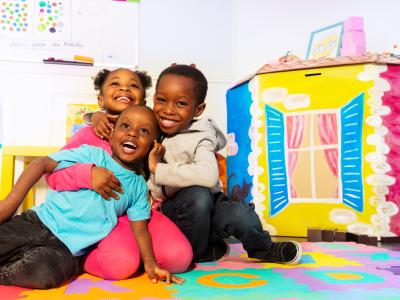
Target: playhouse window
303,152
312,145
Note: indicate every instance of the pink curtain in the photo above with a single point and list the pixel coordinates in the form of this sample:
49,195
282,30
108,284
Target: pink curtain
327,128
295,134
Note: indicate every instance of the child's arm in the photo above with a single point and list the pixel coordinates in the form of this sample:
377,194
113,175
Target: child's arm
103,124
202,171
80,175
155,156
89,176
143,238
73,178
77,176
30,175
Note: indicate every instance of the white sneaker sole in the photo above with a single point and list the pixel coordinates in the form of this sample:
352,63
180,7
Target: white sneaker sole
228,250
296,260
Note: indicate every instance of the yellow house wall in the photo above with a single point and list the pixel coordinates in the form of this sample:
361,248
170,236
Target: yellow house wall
331,90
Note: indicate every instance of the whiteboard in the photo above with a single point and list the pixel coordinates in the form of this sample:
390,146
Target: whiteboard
33,30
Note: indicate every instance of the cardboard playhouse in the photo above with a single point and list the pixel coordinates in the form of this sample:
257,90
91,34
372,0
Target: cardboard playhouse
317,144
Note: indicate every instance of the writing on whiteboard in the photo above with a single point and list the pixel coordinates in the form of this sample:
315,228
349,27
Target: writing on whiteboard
105,30
46,44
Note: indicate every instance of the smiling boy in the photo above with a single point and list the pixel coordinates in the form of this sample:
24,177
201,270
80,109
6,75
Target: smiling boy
44,246
185,183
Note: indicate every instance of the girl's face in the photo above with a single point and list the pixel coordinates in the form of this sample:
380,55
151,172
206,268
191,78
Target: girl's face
175,103
122,88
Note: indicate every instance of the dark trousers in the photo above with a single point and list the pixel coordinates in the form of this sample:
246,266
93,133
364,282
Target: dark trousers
31,256
205,218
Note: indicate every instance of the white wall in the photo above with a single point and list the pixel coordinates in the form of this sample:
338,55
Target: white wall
194,31
182,31
227,39
35,98
35,94
265,30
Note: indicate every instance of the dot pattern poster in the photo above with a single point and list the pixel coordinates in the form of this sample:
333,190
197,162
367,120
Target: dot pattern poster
50,16
16,16
51,19
38,19
33,30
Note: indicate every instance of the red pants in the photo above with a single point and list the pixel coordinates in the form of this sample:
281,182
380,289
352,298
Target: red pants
117,256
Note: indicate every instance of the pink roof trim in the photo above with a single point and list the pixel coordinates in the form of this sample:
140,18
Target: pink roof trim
323,62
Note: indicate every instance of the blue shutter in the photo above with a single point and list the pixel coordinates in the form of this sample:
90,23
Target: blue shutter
278,185
351,156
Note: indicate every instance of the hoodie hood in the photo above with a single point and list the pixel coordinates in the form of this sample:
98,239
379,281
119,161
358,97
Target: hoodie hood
208,125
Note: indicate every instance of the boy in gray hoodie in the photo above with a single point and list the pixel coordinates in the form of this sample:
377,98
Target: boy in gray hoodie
185,184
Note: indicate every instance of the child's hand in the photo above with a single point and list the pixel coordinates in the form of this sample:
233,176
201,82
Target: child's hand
156,273
103,124
105,183
155,156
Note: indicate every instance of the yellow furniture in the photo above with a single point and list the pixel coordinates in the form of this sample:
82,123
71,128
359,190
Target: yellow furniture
75,113
9,154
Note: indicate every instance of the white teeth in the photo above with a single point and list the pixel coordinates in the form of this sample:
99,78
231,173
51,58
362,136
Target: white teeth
123,99
168,123
129,145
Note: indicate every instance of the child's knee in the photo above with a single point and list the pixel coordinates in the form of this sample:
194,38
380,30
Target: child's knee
112,266
116,256
41,273
244,216
122,268
199,200
176,259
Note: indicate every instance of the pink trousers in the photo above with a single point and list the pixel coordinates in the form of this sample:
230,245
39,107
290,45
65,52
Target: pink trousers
117,256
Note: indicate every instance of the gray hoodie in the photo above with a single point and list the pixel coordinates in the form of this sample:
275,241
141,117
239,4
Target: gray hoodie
189,159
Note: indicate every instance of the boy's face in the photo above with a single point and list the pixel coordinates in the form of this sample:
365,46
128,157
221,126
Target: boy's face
175,103
121,89
133,136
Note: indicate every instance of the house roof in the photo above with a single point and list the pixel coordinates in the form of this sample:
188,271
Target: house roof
323,62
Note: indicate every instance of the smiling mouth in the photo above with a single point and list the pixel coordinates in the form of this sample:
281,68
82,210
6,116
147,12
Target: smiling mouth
129,147
124,99
168,122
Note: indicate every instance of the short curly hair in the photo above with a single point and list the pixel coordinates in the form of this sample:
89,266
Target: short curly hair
200,82
103,74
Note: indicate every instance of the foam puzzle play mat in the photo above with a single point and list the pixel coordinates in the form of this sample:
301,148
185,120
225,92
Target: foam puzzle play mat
326,271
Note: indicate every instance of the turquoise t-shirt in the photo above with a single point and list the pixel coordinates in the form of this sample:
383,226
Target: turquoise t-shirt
82,218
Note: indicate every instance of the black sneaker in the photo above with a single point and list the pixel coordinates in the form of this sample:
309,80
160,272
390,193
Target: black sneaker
285,253
216,251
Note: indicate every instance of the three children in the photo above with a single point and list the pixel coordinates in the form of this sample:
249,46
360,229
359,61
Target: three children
119,89
184,183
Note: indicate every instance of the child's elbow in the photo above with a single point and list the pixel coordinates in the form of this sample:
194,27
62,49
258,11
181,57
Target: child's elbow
207,175
211,180
46,163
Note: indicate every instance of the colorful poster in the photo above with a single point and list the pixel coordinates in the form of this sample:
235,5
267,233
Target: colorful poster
35,19
16,17
51,19
75,113
39,29
49,16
